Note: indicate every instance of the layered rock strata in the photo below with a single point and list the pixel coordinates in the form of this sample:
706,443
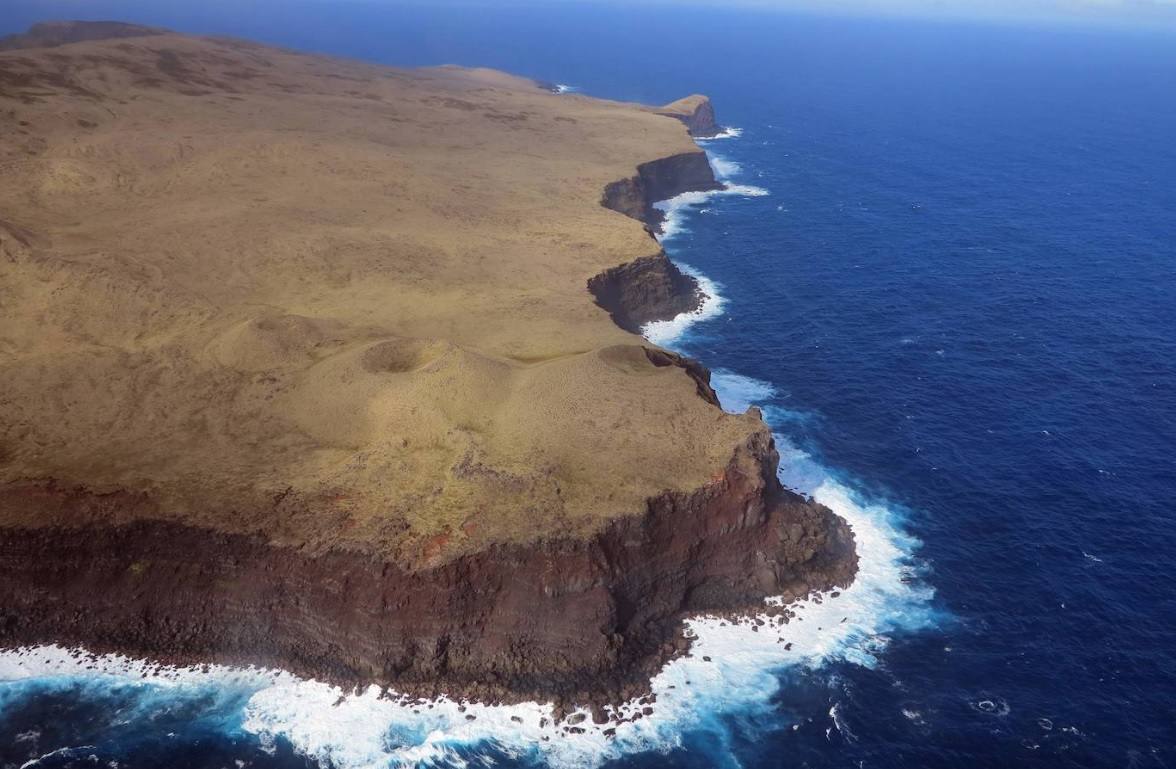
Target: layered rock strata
575,620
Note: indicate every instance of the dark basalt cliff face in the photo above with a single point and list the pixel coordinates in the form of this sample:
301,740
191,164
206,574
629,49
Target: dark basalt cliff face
702,122
643,290
651,287
659,180
575,620
697,114
695,370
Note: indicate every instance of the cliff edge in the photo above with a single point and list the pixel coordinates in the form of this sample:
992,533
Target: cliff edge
328,366
696,112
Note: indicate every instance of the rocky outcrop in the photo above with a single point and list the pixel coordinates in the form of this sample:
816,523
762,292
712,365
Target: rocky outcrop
696,113
695,370
659,180
643,290
652,287
574,620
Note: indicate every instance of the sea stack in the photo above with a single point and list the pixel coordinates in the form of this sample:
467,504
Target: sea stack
334,367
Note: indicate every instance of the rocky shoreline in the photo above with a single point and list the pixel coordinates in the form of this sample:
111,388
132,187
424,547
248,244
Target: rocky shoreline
652,287
570,621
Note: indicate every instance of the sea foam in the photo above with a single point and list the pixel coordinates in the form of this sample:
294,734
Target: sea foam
665,332
675,209
724,169
730,132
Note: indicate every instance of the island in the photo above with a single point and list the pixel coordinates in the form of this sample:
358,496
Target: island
334,367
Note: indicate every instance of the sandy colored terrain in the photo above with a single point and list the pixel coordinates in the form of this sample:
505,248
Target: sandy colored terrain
333,304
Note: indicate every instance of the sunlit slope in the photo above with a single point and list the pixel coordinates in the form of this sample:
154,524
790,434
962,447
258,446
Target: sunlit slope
333,304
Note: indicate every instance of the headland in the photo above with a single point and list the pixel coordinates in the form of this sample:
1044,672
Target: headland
334,367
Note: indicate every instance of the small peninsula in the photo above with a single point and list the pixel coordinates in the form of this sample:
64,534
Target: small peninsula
334,367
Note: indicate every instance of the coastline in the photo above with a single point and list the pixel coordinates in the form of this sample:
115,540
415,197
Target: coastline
952,310
733,569
320,719
105,570
337,615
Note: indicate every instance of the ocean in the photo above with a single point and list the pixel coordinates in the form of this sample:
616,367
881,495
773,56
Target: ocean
946,271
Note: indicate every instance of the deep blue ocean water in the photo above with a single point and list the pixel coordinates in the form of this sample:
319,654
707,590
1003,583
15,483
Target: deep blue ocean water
958,298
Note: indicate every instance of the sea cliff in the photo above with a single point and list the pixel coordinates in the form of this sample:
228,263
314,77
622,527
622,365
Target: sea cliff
695,112
411,473
578,621
651,287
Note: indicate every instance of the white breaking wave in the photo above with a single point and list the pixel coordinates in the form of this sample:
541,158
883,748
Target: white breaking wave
724,169
675,208
565,88
664,332
887,594
730,132
739,392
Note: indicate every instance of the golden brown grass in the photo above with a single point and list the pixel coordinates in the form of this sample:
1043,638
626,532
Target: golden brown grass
334,304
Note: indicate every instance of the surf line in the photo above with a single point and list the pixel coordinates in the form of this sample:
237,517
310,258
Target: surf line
854,625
